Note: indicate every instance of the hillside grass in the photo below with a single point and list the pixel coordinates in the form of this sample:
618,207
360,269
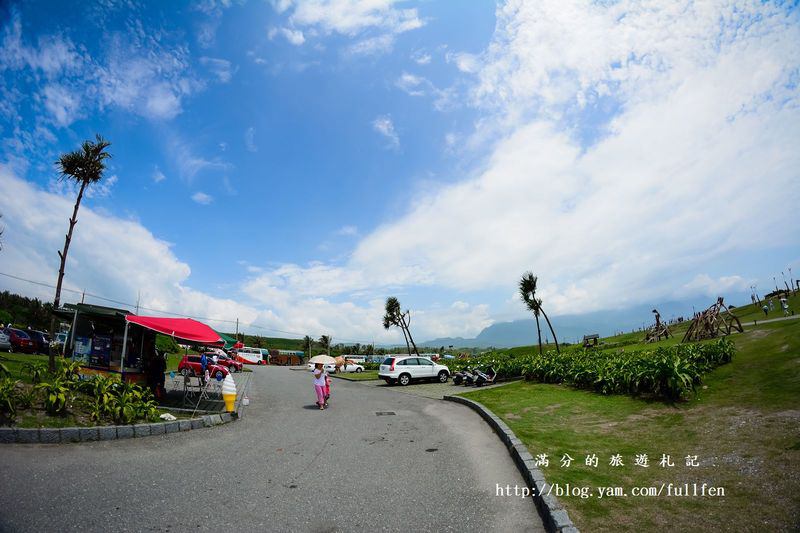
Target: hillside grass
743,424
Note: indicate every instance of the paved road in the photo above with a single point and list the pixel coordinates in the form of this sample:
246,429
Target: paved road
286,466
768,320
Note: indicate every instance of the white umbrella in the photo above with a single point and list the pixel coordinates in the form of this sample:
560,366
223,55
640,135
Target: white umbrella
324,359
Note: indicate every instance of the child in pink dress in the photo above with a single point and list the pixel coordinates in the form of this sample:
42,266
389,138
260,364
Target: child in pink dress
320,384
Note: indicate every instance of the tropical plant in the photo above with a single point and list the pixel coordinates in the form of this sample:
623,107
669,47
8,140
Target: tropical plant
308,345
68,370
36,370
527,289
4,371
396,317
56,395
27,397
8,397
85,167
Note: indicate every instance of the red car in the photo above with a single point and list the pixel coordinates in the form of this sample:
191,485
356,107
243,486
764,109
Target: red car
233,365
20,341
190,366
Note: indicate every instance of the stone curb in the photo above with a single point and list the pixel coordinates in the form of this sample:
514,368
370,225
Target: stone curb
90,434
553,514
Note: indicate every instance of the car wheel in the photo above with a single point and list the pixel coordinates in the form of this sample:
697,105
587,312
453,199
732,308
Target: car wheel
358,370
404,379
442,377
185,372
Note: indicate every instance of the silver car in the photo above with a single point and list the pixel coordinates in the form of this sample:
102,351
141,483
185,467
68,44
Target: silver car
5,342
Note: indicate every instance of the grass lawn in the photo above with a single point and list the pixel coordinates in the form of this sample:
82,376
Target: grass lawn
743,426
358,376
15,363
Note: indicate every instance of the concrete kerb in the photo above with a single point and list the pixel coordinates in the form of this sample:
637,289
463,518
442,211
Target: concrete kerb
89,434
553,514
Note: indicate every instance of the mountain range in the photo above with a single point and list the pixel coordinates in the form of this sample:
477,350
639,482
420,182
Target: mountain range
572,328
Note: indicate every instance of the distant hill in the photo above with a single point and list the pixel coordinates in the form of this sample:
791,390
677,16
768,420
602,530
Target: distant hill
571,328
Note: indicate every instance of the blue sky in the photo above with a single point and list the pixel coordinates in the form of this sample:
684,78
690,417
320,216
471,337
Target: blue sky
292,164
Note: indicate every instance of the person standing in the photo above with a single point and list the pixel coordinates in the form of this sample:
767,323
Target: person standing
319,384
765,308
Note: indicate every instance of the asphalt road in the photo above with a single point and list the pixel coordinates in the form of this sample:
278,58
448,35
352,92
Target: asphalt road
286,466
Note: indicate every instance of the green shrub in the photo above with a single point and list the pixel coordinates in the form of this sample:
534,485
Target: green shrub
666,372
56,395
36,370
9,396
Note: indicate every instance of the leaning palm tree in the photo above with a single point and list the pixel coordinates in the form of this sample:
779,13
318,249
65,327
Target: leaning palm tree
527,290
396,317
84,167
325,341
308,343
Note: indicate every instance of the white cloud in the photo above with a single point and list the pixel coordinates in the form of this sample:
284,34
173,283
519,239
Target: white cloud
347,231
411,84
704,137
109,256
158,176
202,198
102,189
294,37
249,139
705,284
350,17
189,163
374,22
385,126
380,44
421,58
468,63
62,104
221,68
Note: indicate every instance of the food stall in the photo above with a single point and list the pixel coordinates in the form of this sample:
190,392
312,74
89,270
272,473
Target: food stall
107,340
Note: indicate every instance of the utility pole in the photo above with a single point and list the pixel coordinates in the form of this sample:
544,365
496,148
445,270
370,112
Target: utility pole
138,298
237,330
83,295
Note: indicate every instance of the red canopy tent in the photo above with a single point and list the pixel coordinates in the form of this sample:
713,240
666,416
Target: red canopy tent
181,328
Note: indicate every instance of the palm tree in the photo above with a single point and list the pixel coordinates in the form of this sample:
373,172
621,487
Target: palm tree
395,317
308,343
527,290
85,167
325,341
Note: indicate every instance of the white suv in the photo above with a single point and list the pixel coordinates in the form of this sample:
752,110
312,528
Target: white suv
403,370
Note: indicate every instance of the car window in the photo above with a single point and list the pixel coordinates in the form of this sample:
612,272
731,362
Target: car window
388,361
21,334
193,359
424,361
412,361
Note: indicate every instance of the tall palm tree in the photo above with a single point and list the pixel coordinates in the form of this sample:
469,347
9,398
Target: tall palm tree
308,343
85,167
325,341
527,290
393,317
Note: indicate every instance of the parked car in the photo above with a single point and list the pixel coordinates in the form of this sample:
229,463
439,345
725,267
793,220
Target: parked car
190,366
329,367
404,370
227,361
5,342
20,341
41,341
351,368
